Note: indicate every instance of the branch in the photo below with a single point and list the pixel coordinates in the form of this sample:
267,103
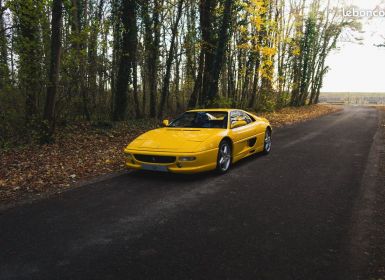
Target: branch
7,28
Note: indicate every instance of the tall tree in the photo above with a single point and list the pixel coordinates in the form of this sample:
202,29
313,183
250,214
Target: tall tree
223,38
4,68
27,15
297,55
170,57
209,42
79,36
56,23
153,56
127,58
95,30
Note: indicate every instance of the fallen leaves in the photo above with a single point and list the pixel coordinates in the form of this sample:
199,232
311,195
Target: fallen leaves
292,115
83,151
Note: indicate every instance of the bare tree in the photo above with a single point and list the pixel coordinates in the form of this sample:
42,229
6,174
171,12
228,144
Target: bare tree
49,108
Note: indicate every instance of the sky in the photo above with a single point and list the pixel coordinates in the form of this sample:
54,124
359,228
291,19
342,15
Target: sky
359,67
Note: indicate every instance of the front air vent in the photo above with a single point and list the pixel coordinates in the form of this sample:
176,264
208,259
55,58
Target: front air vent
155,159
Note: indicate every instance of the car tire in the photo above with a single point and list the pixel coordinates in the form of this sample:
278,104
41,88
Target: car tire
224,157
267,142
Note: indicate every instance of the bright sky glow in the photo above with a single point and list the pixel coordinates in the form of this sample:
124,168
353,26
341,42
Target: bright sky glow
355,67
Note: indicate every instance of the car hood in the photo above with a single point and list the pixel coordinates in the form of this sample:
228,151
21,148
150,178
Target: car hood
174,140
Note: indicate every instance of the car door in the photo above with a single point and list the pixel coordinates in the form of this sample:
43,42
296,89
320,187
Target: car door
259,128
242,136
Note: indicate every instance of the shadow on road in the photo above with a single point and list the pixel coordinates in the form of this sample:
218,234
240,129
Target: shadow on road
180,178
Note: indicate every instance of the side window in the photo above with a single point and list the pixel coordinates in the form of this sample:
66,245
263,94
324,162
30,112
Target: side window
234,115
251,117
238,115
246,117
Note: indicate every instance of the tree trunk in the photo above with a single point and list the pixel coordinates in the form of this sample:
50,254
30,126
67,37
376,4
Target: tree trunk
127,58
223,38
79,45
207,9
135,86
166,80
195,95
151,42
116,33
154,59
93,53
28,40
83,21
4,70
179,98
253,99
49,109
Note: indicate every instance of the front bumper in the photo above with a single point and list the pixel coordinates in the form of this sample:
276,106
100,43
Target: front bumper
205,161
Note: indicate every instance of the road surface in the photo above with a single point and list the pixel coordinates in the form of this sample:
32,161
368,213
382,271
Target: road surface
288,215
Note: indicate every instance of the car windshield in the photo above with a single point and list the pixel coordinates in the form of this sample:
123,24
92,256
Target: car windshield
201,120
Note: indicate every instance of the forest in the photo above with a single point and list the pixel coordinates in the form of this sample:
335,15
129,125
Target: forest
104,61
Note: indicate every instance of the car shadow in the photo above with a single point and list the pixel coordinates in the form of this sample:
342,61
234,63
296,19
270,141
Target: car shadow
168,176
183,178
240,164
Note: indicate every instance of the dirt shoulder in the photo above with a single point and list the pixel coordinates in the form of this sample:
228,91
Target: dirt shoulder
292,115
85,152
377,236
367,245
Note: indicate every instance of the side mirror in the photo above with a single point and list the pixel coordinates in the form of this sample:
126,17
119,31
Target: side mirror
165,122
238,123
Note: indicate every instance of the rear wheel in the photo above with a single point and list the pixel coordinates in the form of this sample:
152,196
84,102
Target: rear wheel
267,142
224,157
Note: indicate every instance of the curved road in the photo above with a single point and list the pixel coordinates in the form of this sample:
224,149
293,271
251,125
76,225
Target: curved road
288,215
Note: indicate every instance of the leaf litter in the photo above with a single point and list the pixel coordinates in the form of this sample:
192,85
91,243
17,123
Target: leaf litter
85,150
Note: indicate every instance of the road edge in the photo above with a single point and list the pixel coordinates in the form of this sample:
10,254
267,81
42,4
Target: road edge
364,229
81,183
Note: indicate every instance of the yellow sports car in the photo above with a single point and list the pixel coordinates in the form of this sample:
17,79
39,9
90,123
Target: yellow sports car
200,140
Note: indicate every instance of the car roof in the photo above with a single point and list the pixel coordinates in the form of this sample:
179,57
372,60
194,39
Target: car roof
213,110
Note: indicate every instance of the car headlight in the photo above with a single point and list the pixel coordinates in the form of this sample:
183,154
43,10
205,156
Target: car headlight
187,158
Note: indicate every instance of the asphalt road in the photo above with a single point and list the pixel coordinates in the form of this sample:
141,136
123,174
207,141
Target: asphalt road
288,215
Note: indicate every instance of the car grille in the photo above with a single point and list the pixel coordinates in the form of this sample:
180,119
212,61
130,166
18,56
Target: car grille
155,159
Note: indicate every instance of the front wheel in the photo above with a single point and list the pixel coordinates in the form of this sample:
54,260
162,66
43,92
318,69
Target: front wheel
267,142
224,157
